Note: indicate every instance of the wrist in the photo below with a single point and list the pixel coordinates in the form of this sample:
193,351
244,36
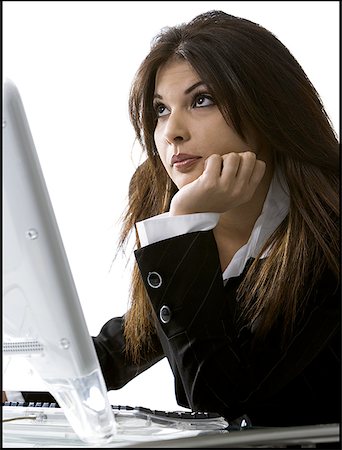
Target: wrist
177,210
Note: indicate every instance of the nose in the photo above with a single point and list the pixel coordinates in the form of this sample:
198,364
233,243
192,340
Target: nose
176,129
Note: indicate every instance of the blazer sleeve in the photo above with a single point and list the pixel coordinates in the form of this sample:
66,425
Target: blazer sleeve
117,369
220,366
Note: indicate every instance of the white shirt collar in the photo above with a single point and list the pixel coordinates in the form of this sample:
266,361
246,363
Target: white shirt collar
275,209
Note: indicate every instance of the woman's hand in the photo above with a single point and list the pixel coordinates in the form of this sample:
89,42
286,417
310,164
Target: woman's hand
227,181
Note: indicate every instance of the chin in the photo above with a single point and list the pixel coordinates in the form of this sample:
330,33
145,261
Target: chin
182,180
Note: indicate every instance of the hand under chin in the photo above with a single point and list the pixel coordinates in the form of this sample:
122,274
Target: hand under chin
182,180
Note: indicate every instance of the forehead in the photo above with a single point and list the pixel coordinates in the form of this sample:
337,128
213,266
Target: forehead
175,72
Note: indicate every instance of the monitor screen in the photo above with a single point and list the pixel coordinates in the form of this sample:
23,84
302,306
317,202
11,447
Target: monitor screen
43,322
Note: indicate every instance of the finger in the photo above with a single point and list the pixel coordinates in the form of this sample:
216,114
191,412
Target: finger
258,172
213,165
230,167
246,166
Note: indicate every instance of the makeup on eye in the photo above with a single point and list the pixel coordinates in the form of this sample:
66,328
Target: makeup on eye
199,99
159,109
205,97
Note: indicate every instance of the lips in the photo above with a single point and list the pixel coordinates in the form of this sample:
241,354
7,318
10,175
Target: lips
183,159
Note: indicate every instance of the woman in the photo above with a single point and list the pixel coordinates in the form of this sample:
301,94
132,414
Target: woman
236,213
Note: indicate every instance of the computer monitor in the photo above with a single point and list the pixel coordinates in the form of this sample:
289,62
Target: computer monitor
43,322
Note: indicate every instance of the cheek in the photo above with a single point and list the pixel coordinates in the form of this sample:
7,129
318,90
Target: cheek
156,139
161,152
228,141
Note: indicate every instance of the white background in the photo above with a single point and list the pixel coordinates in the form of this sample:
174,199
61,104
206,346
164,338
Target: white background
73,63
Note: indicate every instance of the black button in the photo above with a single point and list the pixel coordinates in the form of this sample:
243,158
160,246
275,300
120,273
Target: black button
165,314
154,280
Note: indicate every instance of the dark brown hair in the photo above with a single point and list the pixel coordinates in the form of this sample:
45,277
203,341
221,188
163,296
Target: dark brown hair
256,82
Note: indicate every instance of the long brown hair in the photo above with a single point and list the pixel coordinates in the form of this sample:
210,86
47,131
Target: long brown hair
255,81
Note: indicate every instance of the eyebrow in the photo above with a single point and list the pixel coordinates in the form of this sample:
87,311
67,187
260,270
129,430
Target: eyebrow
187,91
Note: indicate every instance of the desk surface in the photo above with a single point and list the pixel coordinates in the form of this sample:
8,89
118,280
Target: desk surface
46,428
24,437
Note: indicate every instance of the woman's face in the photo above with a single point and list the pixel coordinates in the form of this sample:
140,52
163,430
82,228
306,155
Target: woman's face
190,126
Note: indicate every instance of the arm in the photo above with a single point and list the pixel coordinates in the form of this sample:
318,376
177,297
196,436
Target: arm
218,368
110,348
165,226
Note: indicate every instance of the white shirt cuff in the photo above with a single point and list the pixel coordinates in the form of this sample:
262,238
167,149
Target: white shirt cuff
164,226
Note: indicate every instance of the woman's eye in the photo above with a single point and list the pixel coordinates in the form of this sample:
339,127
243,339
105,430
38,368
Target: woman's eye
161,110
203,100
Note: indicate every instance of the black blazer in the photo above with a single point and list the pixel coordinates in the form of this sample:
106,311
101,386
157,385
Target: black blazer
216,364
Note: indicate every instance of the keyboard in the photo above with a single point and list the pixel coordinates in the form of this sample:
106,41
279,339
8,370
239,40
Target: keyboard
45,424
38,424
174,419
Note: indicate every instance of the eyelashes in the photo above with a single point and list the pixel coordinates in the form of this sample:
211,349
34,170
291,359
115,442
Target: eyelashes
159,108
198,100
205,99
